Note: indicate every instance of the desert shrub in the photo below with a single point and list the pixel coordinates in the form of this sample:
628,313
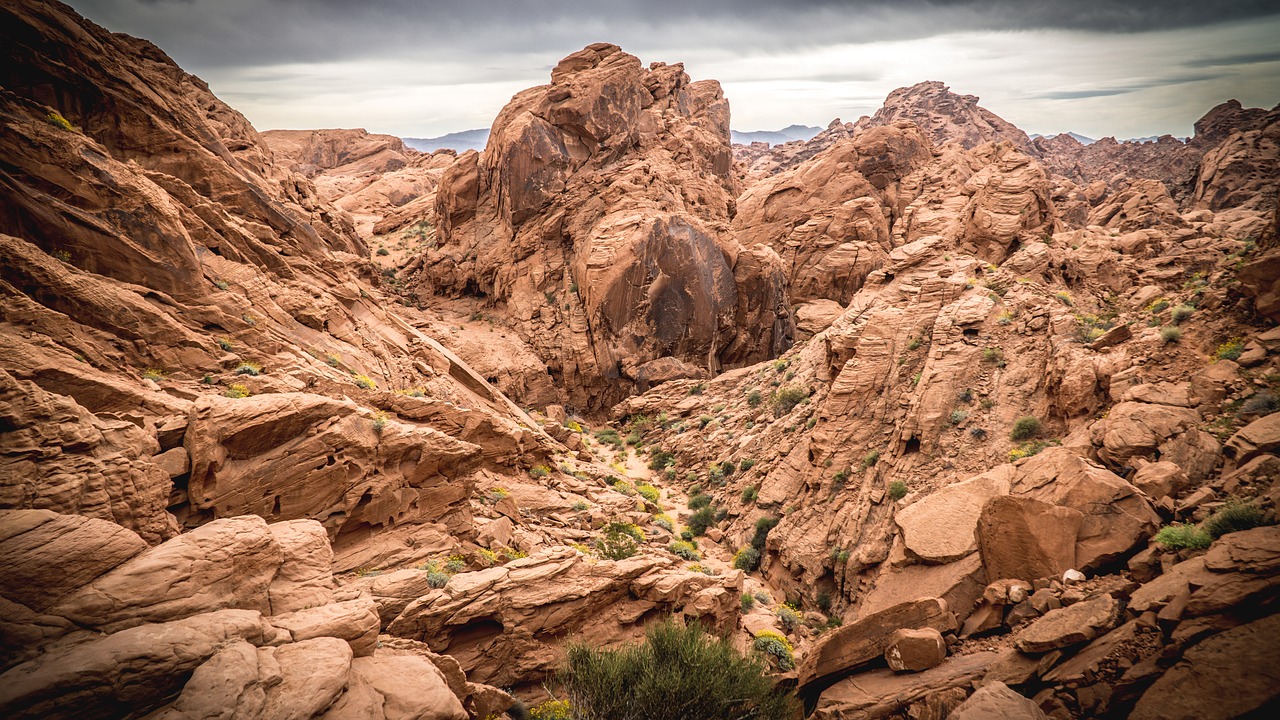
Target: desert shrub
1004,318
455,564
331,360
870,459
617,542
663,521
697,389
248,368
746,464
915,343
573,425
704,420
648,492
771,643
661,459
1158,306
237,391
763,526
1171,334
824,601
697,500
1029,449
552,710
749,494
684,549
1178,536
379,422
609,436
366,382
746,559
748,601
1182,313
787,398
221,284
56,120
623,487
1064,297
839,478
789,617
993,356
1025,428
581,505
966,396
977,433
225,344
539,471
437,579
701,520
677,673
1263,403
153,374
383,252
897,490
958,416
754,398
1233,517
1230,350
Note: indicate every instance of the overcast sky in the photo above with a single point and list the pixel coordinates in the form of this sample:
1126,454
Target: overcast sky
1125,68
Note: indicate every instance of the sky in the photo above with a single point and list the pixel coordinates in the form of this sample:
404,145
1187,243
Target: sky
422,68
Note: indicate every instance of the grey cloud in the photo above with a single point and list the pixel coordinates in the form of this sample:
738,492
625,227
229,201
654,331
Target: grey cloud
1246,59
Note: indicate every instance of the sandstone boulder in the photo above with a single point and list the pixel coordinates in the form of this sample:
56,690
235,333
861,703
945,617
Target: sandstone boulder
851,646
1258,437
884,693
1069,625
996,700
940,528
914,650
1026,539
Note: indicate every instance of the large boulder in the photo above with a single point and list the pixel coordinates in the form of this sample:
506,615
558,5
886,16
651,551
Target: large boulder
996,700
1257,438
1070,625
940,528
849,647
45,556
1025,539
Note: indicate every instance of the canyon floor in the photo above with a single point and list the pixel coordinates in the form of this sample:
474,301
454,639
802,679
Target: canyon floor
937,419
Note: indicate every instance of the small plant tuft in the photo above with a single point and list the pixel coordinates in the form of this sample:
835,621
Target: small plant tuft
1178,537
248,368
1171,334
1025,428
1233,517
897,490
237,391
1182,313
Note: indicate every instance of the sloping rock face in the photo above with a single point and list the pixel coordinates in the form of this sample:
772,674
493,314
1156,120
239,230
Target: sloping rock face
598,214
946,117
236,619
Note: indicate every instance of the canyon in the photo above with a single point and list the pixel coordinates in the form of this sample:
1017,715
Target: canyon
948,421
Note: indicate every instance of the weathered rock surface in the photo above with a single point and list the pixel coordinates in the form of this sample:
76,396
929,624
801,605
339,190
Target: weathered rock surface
914,650
1070,625
850,646
1024,538
997,700
941,527
882,693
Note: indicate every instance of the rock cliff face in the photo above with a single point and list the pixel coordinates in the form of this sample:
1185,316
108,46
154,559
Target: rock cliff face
597,217
259,454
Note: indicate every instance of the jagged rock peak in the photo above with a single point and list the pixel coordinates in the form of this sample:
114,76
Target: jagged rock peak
946,116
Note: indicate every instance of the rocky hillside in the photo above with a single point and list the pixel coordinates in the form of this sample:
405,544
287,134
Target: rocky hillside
944,421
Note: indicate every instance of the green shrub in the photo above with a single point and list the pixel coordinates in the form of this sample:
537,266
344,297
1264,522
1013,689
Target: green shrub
663,521
824,601
748,601
958,416
237,391
771,643
747,559
618,542
609,436
1230,350
582,505
993,356
1025,428
697,501
1182,313
661,459
1263,403
704,421
225,344
648,492
749,494
870,459
383,252
153,374
331,360
539,471
1029,449
677,673
897,490
1171,334
684,549
763,526
787,398
746,464
248,368
1178,536
754,398
365,382
697,389
437,579
701,520
1233,517
379,422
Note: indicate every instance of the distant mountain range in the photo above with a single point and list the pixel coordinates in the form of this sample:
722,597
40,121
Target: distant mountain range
1079,138
476,139
774,137
460,141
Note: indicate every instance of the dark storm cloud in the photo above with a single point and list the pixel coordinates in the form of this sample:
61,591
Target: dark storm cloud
216,33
